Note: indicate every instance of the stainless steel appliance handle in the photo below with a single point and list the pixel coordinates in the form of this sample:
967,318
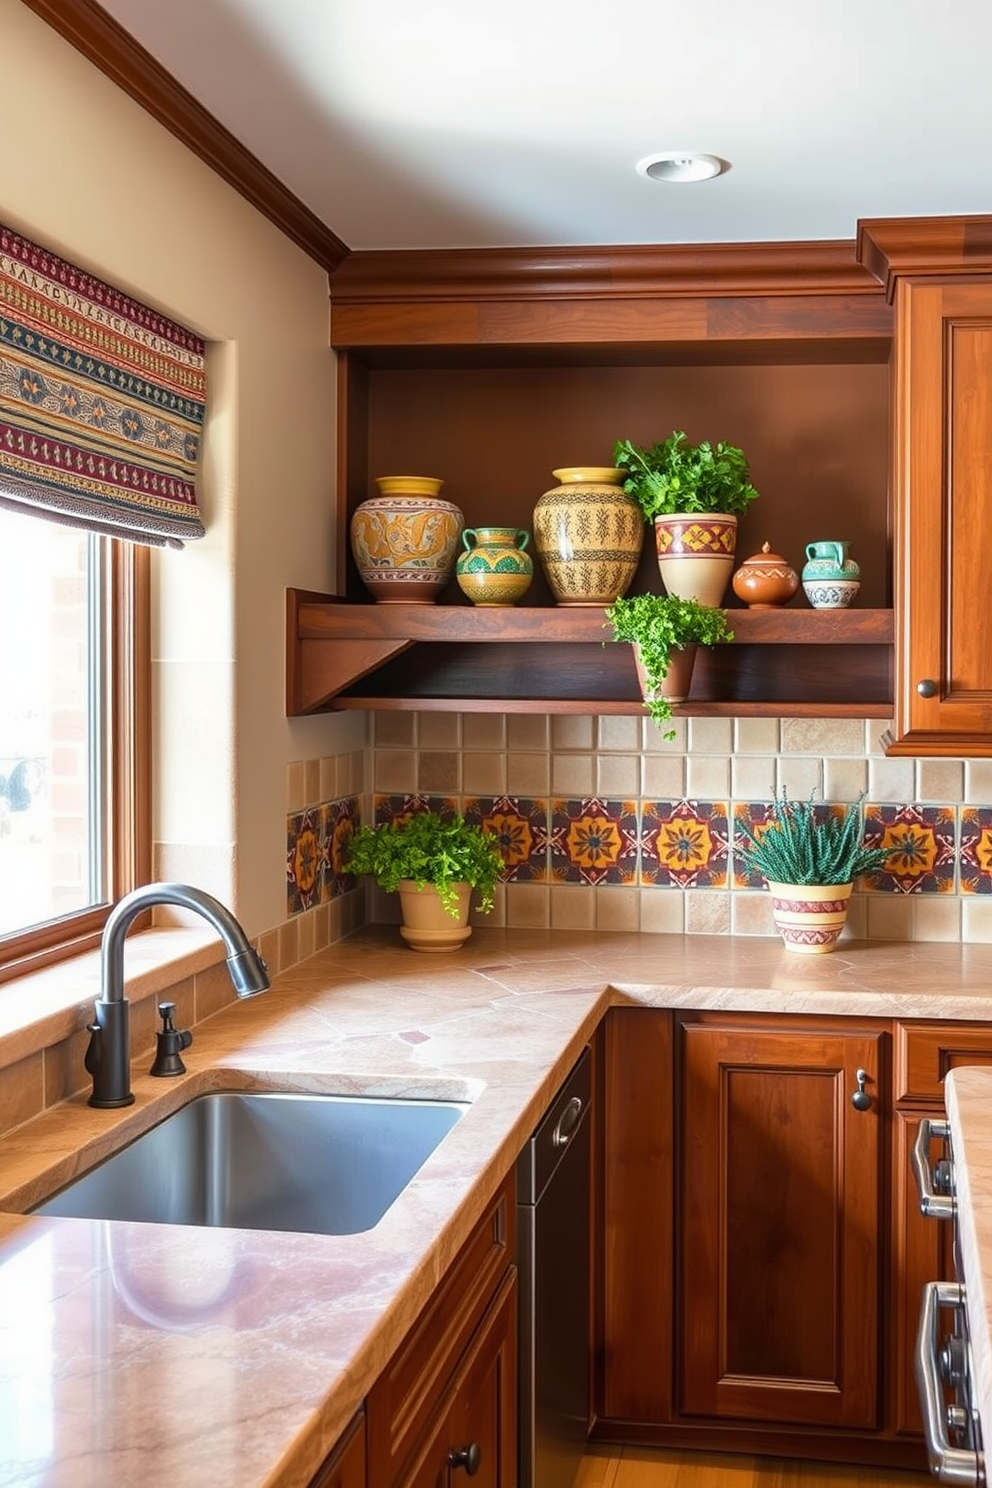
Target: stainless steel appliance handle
933,1203
949,1464
567,1122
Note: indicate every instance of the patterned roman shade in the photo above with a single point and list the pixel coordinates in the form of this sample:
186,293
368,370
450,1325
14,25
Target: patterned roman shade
101,403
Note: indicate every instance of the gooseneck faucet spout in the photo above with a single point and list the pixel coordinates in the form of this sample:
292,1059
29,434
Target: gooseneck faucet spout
108,1058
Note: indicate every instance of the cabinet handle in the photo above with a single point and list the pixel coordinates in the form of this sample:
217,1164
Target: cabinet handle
927,688
861,1100
935,1205
567,1122
470,1458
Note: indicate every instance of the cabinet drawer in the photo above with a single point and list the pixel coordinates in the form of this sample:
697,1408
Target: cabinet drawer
926,1051
345,1468
411,1388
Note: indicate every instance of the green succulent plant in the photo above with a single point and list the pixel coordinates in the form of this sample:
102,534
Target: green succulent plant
658,624
676,476
429,847
804,844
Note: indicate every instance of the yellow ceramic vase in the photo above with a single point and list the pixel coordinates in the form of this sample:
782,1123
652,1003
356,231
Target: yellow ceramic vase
588,534
404,540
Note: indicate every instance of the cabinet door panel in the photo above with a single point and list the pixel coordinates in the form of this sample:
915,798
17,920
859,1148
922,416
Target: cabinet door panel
779,1226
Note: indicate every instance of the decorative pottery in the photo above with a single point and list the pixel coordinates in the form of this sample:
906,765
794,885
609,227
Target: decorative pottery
495,568
677,680
831,578
588,534
810,917
427,926
765,580
696,554
405,540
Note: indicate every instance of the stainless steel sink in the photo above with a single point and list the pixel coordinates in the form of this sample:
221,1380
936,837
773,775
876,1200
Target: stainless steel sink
320,1164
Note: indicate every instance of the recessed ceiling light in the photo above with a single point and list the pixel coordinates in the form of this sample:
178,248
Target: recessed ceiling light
679,165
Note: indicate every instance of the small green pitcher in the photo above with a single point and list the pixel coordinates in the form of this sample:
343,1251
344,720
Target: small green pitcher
494,569
830,577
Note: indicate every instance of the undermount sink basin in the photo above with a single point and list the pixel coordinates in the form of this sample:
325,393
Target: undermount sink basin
320,1164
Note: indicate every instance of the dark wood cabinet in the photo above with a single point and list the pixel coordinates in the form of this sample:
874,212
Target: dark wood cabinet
345,1468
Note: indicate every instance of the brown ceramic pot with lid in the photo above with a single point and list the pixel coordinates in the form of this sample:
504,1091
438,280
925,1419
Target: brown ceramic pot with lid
765,580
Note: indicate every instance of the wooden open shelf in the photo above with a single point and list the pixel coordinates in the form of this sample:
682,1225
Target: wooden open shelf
785,662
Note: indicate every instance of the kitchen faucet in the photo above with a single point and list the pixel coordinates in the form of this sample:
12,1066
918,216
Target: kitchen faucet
108,1057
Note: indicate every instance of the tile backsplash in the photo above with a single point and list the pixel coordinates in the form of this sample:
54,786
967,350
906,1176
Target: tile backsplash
606,824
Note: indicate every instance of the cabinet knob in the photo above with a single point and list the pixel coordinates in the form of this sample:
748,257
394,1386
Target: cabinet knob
927,688
861,1100
470,1458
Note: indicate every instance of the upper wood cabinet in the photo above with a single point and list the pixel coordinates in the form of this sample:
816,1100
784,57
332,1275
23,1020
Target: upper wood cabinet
493,368
938,273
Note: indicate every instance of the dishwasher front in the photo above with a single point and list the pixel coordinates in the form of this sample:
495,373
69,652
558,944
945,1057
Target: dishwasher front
553,1197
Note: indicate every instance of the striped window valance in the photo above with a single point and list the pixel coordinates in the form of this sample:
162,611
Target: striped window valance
101,403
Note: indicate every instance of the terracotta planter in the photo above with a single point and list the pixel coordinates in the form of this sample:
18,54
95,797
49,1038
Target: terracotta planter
696,555
677,681
810,917
427,926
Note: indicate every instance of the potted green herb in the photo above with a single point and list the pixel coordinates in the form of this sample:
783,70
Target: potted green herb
665,631
433,860
810,857
693,495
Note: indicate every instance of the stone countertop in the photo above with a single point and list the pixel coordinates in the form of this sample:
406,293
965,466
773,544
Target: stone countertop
179,1356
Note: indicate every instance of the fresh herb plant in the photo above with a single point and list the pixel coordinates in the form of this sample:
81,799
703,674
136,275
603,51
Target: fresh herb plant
429,848
676,476
658,624
805,844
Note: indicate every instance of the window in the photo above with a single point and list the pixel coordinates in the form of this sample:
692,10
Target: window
74,796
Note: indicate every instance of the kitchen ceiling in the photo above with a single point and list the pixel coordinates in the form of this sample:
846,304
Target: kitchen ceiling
452,123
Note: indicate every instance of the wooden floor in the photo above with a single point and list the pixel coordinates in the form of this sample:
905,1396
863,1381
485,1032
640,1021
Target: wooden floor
647,1467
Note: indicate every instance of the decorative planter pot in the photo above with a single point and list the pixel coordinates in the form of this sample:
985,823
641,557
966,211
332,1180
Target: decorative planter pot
405,539
765,580
588,534
427,926
831,578
494,569
677,680
810,917
696,555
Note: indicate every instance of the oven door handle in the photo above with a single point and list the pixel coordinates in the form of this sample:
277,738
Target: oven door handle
935,1205
949,1464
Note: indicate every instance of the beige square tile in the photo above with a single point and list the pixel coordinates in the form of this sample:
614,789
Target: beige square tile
751,913
620,732
976,919
891,780
439,772
856,925
618,775
937,917
707,912
707,778
289,945
354,772
978,782
329,767
394,772
573,774
875,731
268,949
212,991
753,777
528,906
573,907
653,740
572,731
305,935
662,911
890,917
800,775
663,777
439,730
484,773
940,780
528,774
311,789
296,780
528,731
394,730
844,779
756,736
484,731
711,735
618,908
822,736
496,918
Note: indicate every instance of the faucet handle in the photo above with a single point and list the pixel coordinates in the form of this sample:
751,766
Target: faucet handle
169,1044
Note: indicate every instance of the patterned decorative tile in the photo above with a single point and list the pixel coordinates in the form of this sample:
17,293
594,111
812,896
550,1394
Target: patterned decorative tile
593,841
340,818
303,860
397,808
521,824
684,844
754,815
922,840
976,850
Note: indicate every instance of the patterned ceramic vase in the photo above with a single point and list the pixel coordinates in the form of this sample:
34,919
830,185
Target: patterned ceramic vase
405,539
696,554
831,579
765,580
588,533
810,917
495,568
